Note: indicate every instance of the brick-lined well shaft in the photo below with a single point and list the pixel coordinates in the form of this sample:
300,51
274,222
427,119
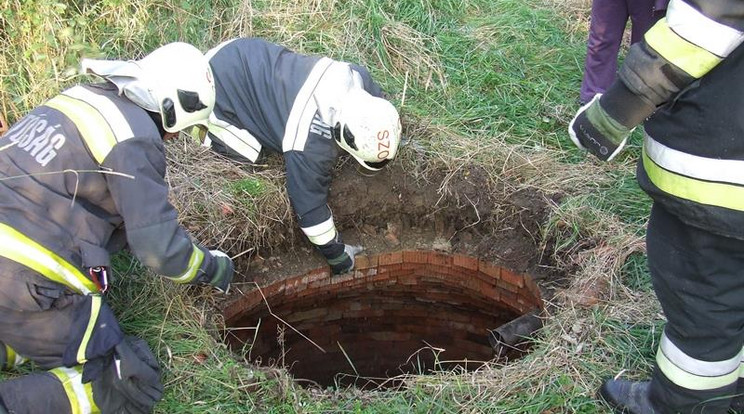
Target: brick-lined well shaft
391,306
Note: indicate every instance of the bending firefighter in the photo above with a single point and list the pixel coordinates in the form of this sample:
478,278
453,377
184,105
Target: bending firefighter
304,107
689,73
82,176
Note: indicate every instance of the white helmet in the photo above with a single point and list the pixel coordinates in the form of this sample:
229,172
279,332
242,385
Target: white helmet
368,128
174,80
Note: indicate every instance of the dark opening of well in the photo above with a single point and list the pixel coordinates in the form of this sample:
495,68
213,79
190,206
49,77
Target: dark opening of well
398,313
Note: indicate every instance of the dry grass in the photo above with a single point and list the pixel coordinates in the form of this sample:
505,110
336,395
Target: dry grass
223,204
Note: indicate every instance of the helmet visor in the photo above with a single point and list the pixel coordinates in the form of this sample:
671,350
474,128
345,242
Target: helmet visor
347,136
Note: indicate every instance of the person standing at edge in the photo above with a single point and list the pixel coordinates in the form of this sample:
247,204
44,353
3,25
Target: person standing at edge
81,176
606,28
689,73
305,108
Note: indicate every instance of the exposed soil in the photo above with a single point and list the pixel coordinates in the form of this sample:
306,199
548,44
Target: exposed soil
396,209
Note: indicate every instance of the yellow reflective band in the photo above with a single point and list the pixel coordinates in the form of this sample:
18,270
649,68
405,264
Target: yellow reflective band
691,381
79,395
95,309
703,192
692,59
195,262
93,127
10,357
21,249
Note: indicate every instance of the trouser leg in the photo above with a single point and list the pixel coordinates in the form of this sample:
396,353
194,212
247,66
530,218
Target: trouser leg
126,381
642,17
606,29
698,278
57,391
51,326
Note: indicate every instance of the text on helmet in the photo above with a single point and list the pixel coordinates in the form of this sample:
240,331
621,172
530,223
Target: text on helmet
383,144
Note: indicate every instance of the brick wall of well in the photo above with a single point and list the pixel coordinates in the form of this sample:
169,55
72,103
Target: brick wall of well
381,313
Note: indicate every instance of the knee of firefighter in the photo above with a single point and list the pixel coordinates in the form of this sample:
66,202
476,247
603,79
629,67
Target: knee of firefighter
28,294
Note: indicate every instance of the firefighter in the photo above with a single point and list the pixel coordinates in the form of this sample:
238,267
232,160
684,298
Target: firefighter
81,176
688,76
305,108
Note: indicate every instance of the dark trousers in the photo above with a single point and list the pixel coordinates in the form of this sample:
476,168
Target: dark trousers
698,278
608,21
46,323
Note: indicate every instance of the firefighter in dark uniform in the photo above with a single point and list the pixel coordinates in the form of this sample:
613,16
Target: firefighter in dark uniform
688,75
304,107
81,176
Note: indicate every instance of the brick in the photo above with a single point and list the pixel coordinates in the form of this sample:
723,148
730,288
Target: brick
507,286
390,268
465,262
509,276
439,259
509,299
320,283
390,258
414,256
365,262
490,270
342,278
318,313
317,274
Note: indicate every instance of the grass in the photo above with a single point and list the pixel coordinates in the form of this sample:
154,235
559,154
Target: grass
488,82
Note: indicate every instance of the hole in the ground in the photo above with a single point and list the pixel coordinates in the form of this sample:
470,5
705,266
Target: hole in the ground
403,312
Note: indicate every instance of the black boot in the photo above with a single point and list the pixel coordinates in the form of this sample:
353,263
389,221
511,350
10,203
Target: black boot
627,397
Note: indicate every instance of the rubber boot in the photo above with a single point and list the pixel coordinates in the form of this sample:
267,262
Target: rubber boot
737,403
627,397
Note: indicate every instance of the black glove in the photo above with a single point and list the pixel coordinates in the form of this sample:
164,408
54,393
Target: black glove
221,270
129,381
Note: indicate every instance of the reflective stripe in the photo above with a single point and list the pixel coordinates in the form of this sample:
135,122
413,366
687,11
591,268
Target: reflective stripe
12,359
322,233
702,168
701,30
303,109
195,262
694,374
715,194
115,118
79,395
21,249
239,140
694,60
94,129
95,309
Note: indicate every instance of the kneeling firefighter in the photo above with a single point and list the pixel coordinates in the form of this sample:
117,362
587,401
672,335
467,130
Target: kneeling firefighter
82,176
689,73
305,108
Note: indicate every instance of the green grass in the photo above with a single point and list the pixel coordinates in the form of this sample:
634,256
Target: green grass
477,74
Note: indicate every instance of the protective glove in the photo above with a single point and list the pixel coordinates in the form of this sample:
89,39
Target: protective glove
594,130
221,270
129,381
345,263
